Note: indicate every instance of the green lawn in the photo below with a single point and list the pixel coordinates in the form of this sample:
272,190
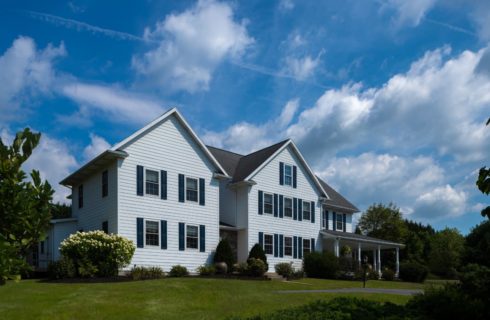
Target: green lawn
171,298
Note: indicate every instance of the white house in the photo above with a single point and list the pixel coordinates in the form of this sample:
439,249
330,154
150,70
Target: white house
175,198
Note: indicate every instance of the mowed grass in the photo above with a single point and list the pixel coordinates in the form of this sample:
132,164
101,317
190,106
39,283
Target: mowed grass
171,298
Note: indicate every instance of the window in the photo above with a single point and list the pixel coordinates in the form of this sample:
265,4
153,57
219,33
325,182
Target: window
191,189
80,196
288,207
268,244
288,246
325,219
151,182
288,175
105,184
151,233
306,246
306,210
340,221
268,207
192,237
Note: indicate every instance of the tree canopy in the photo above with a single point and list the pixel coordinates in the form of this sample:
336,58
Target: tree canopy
446,249
384,222
483,183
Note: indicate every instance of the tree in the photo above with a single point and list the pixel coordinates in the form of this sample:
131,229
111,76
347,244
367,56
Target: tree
446,251
60,211
25,205
483,184
477,246
417,242
384,222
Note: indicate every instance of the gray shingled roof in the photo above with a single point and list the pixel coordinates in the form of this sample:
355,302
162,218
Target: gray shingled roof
241,166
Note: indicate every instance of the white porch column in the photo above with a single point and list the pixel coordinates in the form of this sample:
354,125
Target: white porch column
379,260
374,261
359,254
397,262
336,247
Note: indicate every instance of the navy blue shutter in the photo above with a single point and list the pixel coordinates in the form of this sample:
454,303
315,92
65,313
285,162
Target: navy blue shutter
300,210
181,188
312,212
300,247
261,199
202,238
326,218
163,186
295,247
163,234
276,245
281,206
139,232
202,200
261,239
294,176
334,220
281,245
295,209
139,180
275,204
312,244
345,221
281,173
181,236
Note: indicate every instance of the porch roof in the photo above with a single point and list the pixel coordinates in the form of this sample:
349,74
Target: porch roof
359,238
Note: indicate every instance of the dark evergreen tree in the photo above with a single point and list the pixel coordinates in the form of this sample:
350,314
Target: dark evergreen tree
224,253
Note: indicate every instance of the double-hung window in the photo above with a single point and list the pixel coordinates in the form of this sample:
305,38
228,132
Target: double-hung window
152,182
288,175
288,207
268,244
105,184
151,233
288,246
192,237
191,191
306,210
268,203
306,246
340,221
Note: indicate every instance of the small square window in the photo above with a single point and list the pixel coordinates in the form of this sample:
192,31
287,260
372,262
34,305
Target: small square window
288,175
306,246
191,189
288,207
192,237
268,206
306,210
152,182
288,246
268,244
151,233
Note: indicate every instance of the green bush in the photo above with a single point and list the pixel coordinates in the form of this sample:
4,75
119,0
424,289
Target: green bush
388,275
284,269
224,253
323,265
256,267
146,273
61,269
206,270
241,268
258,253
413,272
96,253
178,271
297,274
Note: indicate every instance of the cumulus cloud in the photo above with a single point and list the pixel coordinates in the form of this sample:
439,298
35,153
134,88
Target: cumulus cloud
191,45
97,146
441,202
301,68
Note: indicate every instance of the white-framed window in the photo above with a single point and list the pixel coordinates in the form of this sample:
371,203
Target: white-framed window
268,203
288,175
339,224
152,233
288,246
325,219
152,182
192,237
268,244
288,207
191,189
306,210
306,246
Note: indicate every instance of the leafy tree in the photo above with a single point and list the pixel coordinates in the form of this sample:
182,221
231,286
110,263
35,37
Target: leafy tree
25,205
60,211
447,247
384,222
417,242
483,184
477,246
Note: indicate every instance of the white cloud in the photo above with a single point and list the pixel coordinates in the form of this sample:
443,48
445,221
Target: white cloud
25,73
191,46
408,12
97,146
481,17
441,202
301,68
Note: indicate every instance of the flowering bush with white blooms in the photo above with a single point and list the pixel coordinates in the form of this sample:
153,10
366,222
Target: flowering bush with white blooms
96,253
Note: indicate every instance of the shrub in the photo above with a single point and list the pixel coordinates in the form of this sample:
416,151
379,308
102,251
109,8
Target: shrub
178,271
224,253
256,267
321,265
146,273
372,274
221,267
475,280
284,269
297,274
61,269
205,270
96,253
413,272
241,268
388,275
258,253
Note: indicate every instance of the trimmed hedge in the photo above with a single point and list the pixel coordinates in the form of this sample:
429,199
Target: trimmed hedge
178,271
146,273
413,272
324,265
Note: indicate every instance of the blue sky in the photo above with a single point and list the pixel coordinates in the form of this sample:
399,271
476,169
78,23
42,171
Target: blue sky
386,99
